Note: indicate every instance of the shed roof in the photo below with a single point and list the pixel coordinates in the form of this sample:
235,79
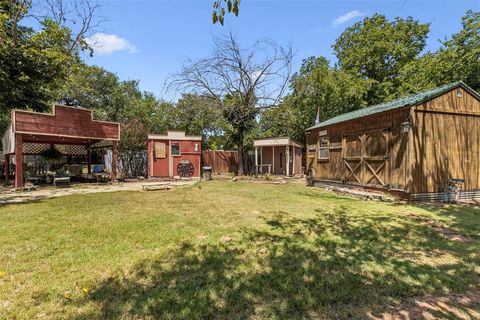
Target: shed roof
174,135
276,141
395,104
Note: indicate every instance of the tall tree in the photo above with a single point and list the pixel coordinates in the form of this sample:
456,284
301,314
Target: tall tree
242,81
378,49
101,90
199,115
457,59
315,86
34,63
80,17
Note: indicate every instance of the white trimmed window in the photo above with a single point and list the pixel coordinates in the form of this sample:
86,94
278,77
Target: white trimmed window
323,148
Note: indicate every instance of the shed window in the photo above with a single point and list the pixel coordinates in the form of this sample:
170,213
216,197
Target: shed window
323,148
175,149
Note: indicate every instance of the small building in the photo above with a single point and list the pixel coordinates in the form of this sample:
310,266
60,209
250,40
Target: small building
72,131
174,155
279,155
419,146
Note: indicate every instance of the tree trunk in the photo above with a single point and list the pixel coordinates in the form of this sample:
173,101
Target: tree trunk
241,164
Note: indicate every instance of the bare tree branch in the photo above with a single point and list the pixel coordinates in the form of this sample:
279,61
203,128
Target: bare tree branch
242,81
80,16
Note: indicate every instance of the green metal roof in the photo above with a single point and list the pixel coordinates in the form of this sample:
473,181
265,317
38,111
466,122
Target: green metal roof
395,104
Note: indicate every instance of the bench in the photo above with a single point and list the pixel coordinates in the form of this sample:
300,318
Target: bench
157,186
61,180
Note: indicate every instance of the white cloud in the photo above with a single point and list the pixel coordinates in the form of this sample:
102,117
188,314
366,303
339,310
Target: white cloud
105,44
346,17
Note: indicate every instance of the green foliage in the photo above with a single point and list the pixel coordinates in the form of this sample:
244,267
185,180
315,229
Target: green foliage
378,61
102,91
52,154
32,64
134,136
458,59
201,115
316,85
218,14
377,49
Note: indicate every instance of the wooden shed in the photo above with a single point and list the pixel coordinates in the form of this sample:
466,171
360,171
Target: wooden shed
174,155
417,146
278,155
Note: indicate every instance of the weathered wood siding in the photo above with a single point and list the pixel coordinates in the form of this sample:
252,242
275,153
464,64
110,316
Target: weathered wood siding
67,122
369,151
220,161
446,142
443,143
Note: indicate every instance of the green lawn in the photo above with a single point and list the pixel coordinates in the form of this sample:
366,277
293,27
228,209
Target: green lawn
229,250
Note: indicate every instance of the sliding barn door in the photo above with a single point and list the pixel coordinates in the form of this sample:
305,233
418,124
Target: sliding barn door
352,159
365,158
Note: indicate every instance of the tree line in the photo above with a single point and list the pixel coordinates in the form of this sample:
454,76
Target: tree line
236,94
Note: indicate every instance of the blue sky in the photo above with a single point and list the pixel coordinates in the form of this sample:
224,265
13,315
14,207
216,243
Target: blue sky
149,40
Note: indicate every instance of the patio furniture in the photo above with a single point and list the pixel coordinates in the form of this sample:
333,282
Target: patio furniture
70,131
102,176
75,170
61,180
61,176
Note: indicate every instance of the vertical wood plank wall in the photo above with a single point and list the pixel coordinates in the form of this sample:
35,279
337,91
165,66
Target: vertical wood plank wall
221,161
446,142
352,137
443,143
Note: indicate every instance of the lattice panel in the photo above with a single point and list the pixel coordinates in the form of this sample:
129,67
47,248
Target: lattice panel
71,149
66,149
34,148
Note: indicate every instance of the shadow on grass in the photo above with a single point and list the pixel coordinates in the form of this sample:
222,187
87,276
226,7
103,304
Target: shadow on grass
333,265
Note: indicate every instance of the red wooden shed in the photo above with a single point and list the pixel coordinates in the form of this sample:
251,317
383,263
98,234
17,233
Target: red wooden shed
174,155
71,129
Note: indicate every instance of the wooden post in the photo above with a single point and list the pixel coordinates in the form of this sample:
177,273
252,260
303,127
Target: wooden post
293,160
7,168
363,166
256,161
287,162
114,161
89,160
273,159
261,159
344,154
149,159
18,161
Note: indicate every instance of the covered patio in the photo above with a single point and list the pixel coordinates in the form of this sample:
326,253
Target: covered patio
70,131
278,155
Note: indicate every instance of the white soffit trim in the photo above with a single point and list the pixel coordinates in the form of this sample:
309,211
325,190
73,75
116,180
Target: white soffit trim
174,135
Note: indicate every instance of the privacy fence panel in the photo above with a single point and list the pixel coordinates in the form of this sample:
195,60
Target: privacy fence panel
220,161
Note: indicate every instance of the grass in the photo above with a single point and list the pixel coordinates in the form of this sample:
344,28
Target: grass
230,250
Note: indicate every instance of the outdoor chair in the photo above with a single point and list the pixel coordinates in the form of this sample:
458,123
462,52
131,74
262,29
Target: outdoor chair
75,171
61,176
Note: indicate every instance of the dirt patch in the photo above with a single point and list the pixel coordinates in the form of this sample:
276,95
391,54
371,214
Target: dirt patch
451,235
464,306
441,229
10,196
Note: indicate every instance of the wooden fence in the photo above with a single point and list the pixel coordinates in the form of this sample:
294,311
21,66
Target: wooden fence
220,161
